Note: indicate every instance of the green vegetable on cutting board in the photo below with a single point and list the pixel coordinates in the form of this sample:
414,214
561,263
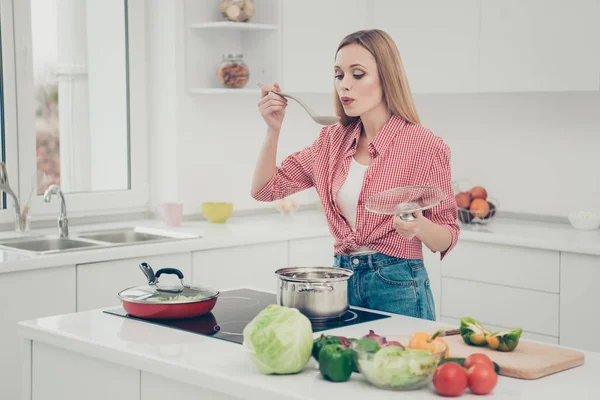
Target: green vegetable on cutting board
472,332
504,340
336,362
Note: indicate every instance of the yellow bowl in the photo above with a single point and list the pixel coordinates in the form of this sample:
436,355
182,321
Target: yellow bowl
218,212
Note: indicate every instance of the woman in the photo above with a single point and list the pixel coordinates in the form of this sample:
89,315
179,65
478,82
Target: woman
378,144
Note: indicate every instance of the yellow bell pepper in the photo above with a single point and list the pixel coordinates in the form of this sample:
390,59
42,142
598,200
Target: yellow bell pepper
420,340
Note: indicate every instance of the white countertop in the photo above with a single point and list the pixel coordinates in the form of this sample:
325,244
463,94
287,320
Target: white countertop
225,367
273,227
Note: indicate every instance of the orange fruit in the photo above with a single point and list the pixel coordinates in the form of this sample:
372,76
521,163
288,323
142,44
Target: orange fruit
479,208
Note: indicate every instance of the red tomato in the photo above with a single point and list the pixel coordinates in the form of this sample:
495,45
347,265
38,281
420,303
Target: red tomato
478,358
482,378
450,379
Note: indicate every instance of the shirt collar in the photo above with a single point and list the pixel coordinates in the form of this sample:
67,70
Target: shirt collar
382,140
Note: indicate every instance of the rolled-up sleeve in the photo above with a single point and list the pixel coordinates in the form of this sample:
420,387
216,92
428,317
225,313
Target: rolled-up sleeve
445,213
294,174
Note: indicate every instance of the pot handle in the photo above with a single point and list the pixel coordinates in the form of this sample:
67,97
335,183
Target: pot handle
320,288
174,271
147,270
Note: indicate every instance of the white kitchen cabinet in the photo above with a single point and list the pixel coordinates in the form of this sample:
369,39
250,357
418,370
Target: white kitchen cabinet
533,311
99,283
311,252
579,301
514,266
437,39
60,374
28,295
539,45
311,33
157,387
250,266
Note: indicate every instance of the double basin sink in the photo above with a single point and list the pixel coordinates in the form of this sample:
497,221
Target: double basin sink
90,240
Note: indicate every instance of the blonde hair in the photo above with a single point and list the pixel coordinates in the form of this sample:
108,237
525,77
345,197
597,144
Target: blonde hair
396,90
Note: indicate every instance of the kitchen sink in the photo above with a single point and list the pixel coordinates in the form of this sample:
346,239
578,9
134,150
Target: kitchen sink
47,244
95,239
133,235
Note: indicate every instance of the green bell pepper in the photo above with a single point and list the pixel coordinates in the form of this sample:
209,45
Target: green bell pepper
505,340
323,340
336,362
472,332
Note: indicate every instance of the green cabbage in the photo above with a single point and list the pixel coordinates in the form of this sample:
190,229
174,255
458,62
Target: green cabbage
279,340
396,367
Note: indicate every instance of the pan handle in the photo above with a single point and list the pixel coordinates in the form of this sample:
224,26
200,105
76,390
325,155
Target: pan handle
147,270
174,271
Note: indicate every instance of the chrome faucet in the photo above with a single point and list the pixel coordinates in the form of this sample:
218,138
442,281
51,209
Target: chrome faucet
63,222
5,187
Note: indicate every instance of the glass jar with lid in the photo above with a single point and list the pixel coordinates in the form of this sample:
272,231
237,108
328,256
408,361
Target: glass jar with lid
233,71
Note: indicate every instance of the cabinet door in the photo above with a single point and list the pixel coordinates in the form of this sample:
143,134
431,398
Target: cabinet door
99,283
539,45
514,266
579,300
252,266
29,295
311,252
533,311
312,30
437,39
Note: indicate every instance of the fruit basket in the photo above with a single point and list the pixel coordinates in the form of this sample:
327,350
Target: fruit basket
474,204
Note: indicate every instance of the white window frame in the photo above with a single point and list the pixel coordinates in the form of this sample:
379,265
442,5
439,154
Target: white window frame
10,107
137,198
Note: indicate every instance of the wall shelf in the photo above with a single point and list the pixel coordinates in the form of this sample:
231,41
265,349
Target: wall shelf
209,35
222,25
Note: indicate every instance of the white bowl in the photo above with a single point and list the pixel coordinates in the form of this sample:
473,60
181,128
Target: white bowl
584,220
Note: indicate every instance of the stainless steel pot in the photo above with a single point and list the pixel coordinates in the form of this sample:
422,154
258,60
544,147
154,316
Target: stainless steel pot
320,293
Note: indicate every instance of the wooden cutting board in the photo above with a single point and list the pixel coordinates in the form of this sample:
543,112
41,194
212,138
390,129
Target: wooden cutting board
530,360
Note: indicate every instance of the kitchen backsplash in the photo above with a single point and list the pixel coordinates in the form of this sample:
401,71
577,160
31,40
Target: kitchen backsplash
535,153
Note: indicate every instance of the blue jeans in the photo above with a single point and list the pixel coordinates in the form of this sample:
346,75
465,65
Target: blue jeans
389,284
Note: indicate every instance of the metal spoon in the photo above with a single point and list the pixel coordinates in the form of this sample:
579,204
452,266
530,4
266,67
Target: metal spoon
319,119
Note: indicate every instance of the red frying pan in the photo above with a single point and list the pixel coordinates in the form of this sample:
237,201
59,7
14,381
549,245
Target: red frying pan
154,302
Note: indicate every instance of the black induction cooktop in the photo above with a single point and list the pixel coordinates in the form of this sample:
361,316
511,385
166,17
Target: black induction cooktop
236,308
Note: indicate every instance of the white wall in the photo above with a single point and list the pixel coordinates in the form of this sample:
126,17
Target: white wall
536,153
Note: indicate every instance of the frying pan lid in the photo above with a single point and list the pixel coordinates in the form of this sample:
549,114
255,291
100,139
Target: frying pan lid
155,293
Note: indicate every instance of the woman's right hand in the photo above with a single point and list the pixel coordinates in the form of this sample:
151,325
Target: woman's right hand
272,107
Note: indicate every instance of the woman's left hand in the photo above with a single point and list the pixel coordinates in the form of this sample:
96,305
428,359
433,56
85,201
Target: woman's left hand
409,229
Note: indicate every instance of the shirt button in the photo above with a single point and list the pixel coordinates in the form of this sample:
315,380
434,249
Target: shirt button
355,261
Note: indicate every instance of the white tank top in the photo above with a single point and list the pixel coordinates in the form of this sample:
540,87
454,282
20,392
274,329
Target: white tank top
347,197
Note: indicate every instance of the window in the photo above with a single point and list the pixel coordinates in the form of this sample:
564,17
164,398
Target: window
80,82
81,104
8,134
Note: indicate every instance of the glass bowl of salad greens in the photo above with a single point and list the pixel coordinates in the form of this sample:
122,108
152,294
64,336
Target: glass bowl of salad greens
392,366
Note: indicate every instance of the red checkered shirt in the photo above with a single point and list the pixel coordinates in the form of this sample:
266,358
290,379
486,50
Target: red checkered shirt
402,153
